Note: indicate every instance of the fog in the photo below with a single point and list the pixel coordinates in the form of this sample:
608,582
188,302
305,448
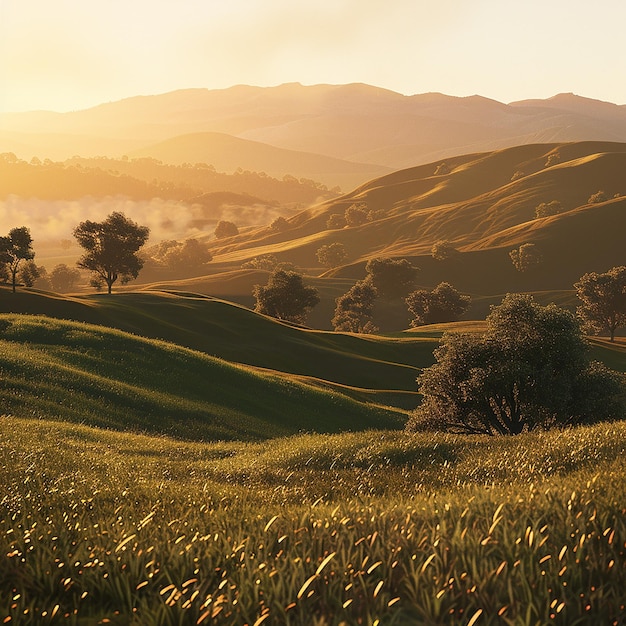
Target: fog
51,221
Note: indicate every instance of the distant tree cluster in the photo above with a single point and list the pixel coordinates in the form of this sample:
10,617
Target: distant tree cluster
443,304
183,257
386,278
598,197
356,214
547,209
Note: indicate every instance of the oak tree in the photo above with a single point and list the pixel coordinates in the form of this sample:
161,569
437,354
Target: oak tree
111,248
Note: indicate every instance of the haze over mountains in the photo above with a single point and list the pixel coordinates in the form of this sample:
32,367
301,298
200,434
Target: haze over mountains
337,134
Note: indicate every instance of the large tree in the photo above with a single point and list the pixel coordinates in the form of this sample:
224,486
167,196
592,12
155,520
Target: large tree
443,304
603,299
15,248
111,248
529,370
285,297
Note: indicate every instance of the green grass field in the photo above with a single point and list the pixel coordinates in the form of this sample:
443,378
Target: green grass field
377,527
101,377
354,365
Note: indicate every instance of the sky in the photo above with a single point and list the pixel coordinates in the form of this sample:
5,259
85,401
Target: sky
67,55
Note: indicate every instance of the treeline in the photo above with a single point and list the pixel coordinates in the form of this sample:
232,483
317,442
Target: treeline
143,179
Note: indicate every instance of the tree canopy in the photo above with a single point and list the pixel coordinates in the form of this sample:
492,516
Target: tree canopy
110,248
392,278
285,297
225,229
529,370
15,248
63,278
443,304
603,299
526,257
331,255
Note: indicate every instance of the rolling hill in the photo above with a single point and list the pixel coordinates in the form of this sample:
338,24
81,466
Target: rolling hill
69,371
484,205
368,368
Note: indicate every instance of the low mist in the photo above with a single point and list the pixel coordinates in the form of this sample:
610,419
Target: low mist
51,221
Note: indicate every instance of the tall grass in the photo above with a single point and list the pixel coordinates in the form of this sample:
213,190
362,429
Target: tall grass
360,528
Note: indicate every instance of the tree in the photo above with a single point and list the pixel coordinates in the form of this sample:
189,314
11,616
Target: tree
111,248
226,229
279,225
268,262
553,159
187,255
332,255
356,214
526,257
64,278
529,370
285,297
603,299
14,249
336,221
443,304
596,198
28,273
546,209
443,250
353,312
392,278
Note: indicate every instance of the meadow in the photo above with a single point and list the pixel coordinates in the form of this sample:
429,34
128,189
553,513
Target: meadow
375,527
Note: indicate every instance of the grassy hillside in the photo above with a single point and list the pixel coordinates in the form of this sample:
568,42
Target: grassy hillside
54,369
102,526
483,205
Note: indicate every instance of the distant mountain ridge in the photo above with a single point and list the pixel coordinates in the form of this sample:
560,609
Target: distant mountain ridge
365,125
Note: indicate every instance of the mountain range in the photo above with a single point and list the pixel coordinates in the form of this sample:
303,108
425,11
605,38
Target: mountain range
337,134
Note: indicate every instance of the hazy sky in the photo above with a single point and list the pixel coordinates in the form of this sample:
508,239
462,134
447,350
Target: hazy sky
71,54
